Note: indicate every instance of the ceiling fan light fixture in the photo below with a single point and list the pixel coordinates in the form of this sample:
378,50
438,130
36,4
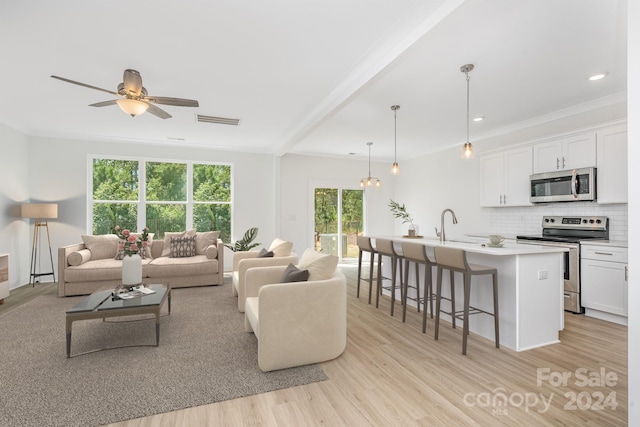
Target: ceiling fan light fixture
132,107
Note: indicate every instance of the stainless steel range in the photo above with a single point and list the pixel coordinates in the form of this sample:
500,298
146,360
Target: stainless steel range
569,231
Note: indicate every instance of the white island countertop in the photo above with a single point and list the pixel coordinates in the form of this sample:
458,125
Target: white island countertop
509,248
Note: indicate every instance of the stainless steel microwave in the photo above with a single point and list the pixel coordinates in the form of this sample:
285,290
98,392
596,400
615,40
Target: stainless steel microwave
564,186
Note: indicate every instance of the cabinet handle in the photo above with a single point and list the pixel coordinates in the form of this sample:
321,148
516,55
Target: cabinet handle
505,199
603,253
501,199
626,273
563,162
557,162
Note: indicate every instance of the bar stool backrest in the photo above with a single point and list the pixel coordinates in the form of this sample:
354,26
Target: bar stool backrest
415,252
451,257
364,243
385,247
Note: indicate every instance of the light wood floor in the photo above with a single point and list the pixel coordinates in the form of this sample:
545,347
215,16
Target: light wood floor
393,375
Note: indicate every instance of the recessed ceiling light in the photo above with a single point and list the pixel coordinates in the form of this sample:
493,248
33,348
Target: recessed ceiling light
478,119
598,76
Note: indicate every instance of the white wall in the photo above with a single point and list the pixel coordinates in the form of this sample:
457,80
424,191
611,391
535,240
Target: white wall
299,174
15,237
58,172
633,89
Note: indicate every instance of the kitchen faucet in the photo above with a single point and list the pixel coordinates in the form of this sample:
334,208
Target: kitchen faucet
455,221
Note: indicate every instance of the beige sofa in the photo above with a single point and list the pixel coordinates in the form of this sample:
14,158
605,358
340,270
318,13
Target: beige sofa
297,323
84,268
242,261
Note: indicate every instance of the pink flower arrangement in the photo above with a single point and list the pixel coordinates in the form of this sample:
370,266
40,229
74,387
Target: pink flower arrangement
131,244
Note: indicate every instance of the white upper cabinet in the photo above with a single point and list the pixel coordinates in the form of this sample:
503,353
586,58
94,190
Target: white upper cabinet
505,178
574,152
611,174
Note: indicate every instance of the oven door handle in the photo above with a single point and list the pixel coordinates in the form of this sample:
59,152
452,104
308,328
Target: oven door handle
574,183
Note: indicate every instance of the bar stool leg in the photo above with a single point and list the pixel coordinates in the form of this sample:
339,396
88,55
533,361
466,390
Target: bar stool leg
438,296
359,272
453,299
378,282
417,286
405,285
428,285
394,268
372,260
495,309
465,318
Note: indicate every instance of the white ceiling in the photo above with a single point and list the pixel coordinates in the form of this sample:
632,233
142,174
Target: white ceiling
313,76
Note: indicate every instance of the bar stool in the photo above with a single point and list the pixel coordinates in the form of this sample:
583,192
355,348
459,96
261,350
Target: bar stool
417,253
385,247
364,245
456,260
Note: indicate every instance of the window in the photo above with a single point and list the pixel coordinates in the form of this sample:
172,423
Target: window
164,196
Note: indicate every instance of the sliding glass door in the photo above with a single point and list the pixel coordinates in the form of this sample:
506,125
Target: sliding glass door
338,220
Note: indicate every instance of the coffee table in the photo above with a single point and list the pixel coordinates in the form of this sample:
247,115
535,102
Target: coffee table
101,305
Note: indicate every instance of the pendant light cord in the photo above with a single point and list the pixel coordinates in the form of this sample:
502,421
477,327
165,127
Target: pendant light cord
467,73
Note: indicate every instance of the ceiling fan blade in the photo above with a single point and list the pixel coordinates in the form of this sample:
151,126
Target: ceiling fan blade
104,103
178,102
132,82
85,85
158,112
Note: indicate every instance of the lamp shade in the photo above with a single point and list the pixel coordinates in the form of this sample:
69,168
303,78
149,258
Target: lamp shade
39,210
132,106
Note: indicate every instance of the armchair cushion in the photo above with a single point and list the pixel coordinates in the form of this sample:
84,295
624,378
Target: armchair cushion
293,274
320,266
280,247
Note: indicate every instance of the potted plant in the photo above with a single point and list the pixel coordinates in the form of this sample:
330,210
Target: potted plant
400,211
245,244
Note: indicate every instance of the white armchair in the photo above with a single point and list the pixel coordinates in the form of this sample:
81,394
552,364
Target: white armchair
295,323
242,261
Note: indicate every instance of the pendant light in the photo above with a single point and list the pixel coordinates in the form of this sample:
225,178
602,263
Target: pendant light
467,150
369,180
395,169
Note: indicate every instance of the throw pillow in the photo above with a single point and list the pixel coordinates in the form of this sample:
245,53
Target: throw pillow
212,252
320,266
204,239
265,253
102,246
293,274
182,247
78,257
166,248
281,247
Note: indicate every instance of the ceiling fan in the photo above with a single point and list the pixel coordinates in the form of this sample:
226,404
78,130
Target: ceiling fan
134,97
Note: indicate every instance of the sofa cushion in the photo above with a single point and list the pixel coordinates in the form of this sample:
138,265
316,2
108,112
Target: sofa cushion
265,253
99,270
293,274
102,246
204,239
320,266
280,247
190,266
79,257
182,247
166,249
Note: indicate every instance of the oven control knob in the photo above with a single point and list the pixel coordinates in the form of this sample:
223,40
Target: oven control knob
546,220
552,220
598,221
591,221
584,221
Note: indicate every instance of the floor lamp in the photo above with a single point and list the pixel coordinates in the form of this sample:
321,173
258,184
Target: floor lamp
40,212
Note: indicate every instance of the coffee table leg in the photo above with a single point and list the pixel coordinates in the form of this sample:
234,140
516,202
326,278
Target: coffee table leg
68,339
158,328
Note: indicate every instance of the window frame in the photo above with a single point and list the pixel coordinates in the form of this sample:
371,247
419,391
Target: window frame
141,203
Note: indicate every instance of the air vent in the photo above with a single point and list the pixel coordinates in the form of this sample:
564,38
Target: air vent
217,120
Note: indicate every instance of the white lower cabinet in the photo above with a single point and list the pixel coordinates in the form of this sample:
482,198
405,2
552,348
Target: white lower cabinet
604,273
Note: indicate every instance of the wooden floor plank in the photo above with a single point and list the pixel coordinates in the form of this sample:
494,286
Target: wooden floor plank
393,374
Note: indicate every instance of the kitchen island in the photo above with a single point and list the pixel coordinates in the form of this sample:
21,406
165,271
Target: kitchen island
530,290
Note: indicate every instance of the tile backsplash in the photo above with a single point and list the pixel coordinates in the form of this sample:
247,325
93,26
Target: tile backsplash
528,219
